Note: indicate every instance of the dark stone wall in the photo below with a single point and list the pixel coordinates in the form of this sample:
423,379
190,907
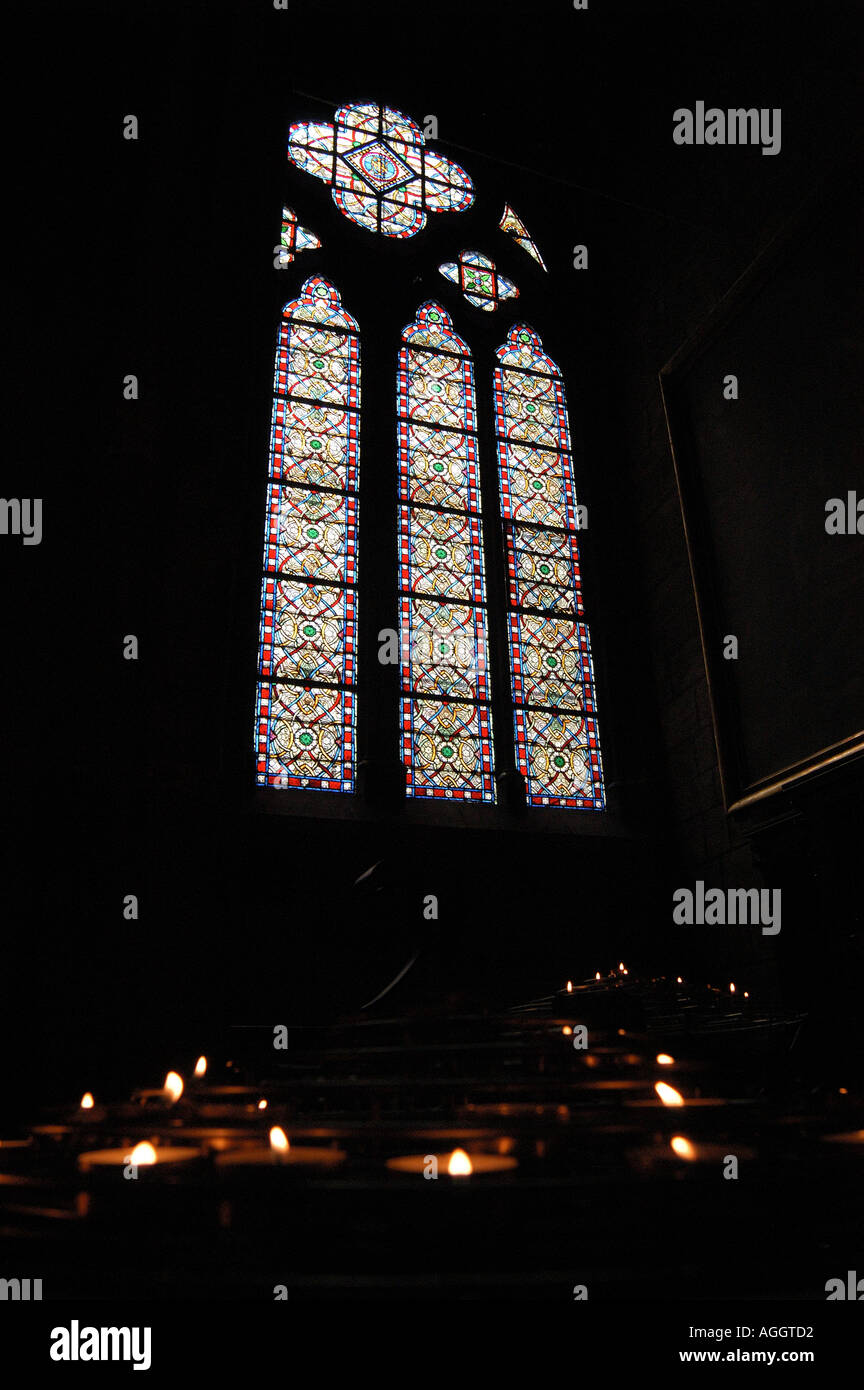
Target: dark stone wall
131,777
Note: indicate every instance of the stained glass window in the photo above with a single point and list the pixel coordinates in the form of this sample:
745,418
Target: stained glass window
384,176
304,733
557,746
516,228
446,723
478,279
294,238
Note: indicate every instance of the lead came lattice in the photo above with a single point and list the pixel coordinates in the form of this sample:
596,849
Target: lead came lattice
305,712
446,723
557,747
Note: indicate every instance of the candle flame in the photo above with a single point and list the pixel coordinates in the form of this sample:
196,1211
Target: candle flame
143,1153
597,976
569,986
620,965
682,1147
201,1066
566,1030
732,989
262,1105
279,1140
173,1085
678,980
668,1094
664,1060
459,1165
746,995
87,1101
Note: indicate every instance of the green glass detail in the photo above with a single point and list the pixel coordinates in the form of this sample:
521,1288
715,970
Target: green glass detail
434,316
315,443
313,533
309,630
447,751
544,569
438,467
552,661
537,485
306,739
558,760
475,281
442,554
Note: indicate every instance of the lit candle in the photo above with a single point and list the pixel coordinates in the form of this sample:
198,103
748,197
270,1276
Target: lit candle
667,1097
457,1164
232,1091
143,1156
173,1086
168,1095
88,1111
280,1152
131,1188
678,1153
668,1094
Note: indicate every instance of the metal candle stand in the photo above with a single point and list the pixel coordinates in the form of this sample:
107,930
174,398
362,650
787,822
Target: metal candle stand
576,1176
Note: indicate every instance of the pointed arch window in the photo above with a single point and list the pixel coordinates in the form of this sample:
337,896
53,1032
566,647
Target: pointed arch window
305,712
384,177
557,748
446,720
